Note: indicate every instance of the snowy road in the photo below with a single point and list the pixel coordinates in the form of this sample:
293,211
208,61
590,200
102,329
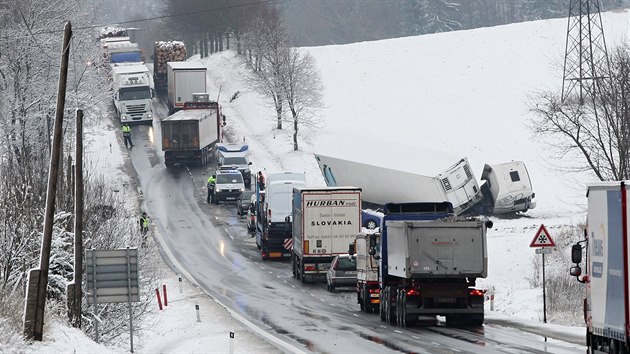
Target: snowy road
213,246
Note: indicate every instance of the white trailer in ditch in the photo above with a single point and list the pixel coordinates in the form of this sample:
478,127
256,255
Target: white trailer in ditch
381,185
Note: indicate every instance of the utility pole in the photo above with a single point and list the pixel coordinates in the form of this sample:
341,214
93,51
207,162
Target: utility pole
586,64
78,222
37,290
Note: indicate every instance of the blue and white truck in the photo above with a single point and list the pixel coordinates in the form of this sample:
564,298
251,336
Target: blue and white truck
606,276
429,261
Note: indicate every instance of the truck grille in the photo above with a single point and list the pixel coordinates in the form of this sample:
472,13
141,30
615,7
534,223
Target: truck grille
136,110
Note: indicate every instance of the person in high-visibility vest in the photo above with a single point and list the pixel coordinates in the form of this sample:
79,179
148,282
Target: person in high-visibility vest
211,181
144,223
126,130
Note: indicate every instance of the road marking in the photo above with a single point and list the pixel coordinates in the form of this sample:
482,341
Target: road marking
383,326
355,315
436,343
286,281
313,295
414,337
322,300
456,350
277,276
270,272
397,331
293,286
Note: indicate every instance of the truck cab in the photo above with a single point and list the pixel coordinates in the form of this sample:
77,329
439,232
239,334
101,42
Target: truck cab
133,93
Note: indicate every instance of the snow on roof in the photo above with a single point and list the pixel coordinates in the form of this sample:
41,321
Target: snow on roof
196,65
130,69
190,114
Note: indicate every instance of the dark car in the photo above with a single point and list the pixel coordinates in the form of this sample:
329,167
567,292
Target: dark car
243,202
371,219
342,272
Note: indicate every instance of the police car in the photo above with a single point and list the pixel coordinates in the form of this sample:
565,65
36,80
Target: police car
229,184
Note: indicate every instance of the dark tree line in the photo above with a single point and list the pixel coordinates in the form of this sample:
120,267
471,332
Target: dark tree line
336,22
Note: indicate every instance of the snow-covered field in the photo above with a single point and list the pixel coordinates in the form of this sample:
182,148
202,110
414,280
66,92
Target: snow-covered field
465,93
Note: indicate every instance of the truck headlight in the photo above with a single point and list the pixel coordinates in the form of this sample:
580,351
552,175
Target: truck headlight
242,189
123,117
149,115
217,190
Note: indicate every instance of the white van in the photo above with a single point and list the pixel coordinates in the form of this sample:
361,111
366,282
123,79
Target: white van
278,200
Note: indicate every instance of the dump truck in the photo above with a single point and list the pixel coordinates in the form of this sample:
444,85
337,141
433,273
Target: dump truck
429,261
606,276
325,223
189,135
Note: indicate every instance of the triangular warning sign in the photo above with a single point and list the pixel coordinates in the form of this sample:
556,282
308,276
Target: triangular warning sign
542,238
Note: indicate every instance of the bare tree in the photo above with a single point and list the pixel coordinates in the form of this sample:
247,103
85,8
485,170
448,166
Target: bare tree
599,130
302,89
267,39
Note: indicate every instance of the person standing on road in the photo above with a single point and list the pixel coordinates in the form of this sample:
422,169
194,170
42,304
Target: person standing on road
261,181
126,130
211,181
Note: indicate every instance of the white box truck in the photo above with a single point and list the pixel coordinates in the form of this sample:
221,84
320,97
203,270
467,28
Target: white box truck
607,269
326,222
188,136
133,93
184,79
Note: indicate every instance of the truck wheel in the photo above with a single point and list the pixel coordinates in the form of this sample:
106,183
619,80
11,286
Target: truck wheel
365,304
391,315
381,303
476,320
293,266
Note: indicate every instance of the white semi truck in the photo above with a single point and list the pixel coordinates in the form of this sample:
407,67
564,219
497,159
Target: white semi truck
325,224
133,93
184,78
607,269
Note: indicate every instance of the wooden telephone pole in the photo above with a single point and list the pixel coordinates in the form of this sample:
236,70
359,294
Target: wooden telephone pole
38,278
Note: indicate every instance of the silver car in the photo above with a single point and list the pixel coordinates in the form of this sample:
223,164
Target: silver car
342,272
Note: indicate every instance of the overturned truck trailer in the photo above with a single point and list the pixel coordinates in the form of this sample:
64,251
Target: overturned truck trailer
381,185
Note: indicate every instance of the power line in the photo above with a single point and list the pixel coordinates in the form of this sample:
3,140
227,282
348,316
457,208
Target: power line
146,19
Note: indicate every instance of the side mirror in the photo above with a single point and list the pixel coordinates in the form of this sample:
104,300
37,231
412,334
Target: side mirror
575,271
152,93
249,163
351,249
576,253
287,219
489,224
372,251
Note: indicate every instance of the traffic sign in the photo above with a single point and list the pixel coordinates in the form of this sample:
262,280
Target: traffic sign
542,238
543,250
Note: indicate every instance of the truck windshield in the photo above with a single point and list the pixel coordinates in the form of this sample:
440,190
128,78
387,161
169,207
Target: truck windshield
129,57
134,93
229,178
234,161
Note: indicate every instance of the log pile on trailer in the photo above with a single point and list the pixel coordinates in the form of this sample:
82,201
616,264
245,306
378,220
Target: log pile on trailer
164,52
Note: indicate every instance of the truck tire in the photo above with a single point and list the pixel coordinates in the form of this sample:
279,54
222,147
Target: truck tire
381,305
365,303
293,265
389,306
476,320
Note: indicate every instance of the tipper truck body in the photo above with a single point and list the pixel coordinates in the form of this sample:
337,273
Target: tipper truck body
429,263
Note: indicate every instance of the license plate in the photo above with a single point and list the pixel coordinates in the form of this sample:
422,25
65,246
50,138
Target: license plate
230,198
445,300
275,254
